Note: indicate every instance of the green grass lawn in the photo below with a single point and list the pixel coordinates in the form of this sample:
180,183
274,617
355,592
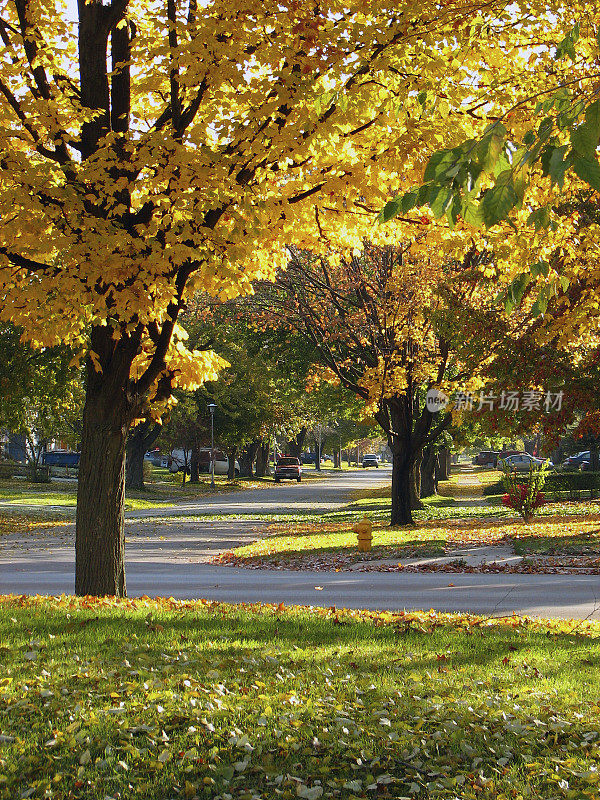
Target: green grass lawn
162,491
161,701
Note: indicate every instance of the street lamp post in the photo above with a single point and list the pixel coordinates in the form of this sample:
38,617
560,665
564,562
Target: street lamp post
212,407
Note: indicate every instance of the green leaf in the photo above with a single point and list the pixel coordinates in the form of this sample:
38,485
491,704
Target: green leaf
540,218
584,140
472,214
454,211
592,115
409,200
439,164
517,288
567,46
545,157
541,303
497,203
589,171
545,128
558,165
441,202
488,150
540,268
502,165
390,210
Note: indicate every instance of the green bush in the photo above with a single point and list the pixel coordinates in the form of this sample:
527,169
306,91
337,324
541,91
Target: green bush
7,469
573,483
37,474
494,488
559,484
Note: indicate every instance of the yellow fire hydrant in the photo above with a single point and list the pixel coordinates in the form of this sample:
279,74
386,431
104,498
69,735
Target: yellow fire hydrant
364,531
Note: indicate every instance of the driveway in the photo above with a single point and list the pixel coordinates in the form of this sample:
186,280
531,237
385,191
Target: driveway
169,557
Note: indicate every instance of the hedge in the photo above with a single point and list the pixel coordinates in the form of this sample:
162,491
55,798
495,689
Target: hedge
557,483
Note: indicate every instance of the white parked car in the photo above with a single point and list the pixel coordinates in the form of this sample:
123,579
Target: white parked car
177,461
522,462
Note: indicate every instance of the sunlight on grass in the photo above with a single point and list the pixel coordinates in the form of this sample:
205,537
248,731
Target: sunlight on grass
334,544
143,699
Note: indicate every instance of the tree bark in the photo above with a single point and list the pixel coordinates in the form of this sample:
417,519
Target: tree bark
415,481
139,441
195,465
444,464
231,453
401,477
99,538
262,459
429,466
317,456
247,459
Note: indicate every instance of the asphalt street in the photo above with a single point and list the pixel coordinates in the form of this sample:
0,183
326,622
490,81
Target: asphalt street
167,556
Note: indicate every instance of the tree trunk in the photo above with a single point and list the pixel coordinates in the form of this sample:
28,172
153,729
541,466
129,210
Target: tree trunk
247,459
415,483
429,466
442,472
139,441
401,494
296,445
317,456
231,453
99,536
195,464
262,459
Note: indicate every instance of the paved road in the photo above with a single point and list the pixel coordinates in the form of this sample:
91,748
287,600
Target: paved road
175,566
310,496
168,557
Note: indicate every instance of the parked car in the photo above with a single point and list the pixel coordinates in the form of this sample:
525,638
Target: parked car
486,458
522,462
370,460
60,458
177,461
288,467
577,461
309,458
155,457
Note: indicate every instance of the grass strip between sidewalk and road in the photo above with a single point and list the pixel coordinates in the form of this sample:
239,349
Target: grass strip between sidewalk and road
171,699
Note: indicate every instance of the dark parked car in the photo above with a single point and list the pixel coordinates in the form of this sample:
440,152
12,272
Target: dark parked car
370,460
288,467
577,461
60,458
486,458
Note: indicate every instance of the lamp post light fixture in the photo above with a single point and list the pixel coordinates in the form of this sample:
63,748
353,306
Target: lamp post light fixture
212,408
